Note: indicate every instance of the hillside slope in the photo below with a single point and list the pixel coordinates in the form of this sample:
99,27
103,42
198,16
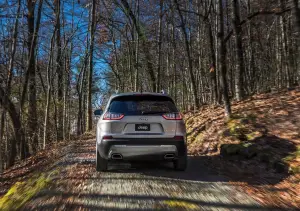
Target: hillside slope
258,147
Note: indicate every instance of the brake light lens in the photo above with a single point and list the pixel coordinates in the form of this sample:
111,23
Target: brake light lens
172,116
112,116
178,137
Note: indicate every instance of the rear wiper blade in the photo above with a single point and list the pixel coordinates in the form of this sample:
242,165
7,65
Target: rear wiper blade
153,112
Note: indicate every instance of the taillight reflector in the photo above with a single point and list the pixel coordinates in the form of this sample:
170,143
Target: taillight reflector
112,116
107,137
178,137
172,116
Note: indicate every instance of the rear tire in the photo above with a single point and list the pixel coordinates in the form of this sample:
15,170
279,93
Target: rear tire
101,163
180,164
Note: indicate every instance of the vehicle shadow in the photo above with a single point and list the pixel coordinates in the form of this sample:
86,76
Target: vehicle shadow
196,170
266,165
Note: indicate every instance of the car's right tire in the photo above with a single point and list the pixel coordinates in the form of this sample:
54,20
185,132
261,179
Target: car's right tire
180,164
101,163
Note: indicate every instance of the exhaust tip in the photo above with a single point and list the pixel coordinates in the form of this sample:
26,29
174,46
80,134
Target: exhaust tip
169,156
116,157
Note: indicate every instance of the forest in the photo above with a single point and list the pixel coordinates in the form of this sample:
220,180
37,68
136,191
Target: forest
61,59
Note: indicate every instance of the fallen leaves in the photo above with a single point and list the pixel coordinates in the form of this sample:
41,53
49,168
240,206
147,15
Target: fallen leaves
278,115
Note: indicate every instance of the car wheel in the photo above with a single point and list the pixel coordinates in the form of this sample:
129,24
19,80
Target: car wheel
101,163
180,164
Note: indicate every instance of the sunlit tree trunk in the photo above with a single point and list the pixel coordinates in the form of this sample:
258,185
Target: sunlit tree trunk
48,96
240,66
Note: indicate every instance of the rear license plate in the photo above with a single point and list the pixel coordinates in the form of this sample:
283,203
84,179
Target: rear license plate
142,127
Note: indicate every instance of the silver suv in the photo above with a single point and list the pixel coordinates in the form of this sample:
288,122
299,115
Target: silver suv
140,127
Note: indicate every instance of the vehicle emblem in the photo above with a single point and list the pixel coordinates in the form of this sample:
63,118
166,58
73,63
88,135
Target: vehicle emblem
144,119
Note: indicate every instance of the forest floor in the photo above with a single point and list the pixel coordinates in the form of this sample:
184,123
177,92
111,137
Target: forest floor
250,162
258,148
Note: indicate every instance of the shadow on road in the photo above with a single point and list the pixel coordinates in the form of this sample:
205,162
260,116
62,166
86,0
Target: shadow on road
196,170
266,167
140,186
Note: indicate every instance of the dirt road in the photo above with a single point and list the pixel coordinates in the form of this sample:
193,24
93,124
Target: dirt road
78,186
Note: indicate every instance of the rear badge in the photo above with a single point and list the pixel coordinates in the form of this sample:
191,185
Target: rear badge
142,127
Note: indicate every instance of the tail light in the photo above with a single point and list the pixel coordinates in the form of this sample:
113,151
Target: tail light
172,116
107,137
112,116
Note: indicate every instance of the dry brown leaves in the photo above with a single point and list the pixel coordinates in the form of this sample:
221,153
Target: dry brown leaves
280,114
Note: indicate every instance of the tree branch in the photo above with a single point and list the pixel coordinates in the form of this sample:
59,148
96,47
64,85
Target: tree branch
275,11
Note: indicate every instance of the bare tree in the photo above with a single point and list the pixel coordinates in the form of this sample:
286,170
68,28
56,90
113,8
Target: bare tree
91,66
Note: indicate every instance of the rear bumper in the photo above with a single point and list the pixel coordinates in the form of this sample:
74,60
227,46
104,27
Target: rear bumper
142,149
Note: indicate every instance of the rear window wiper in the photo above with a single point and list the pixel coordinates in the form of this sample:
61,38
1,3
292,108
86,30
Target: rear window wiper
153,112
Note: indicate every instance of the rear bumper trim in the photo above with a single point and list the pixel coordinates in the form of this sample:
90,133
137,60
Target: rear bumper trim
142,149
134,151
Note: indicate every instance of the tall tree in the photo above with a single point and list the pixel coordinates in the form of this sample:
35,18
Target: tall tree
91,67
144,41
19,138
188,51
296,12
59,69
240,66
160,36
33,29
222,62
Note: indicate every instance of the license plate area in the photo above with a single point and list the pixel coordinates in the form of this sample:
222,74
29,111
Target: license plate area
142,127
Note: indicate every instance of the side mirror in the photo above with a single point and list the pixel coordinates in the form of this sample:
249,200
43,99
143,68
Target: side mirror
98,112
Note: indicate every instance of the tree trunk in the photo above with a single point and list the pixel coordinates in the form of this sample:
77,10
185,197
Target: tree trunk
159,44
31,71
9,107
190,61
284,42
145,43
296,14
222,61
240,66
48,96
89,116
137,53
251,63
10,71
60,73
213,75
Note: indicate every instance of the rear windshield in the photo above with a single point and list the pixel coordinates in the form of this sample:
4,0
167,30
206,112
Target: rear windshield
142,105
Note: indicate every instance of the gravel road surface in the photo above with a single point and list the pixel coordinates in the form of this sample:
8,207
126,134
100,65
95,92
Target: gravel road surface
145,186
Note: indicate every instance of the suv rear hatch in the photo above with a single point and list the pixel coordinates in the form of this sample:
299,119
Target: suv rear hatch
142,116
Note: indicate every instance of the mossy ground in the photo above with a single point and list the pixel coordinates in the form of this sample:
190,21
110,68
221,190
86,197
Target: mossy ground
21,192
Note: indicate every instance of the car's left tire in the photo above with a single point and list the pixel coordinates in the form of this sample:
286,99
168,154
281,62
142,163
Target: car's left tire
101,163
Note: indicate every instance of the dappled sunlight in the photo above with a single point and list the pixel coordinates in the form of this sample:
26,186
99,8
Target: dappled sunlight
139,186
271,122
